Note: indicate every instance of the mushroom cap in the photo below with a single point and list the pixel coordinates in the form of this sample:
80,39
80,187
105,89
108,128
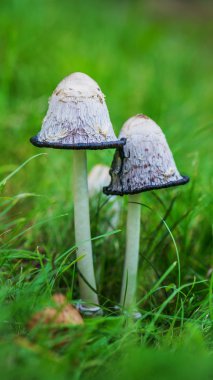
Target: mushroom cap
77,117
145,162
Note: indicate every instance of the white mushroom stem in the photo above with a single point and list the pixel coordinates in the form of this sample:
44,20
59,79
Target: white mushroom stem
132,252
82,228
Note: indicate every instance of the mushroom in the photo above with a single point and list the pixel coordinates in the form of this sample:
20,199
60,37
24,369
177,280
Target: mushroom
97,179
78,119
144,163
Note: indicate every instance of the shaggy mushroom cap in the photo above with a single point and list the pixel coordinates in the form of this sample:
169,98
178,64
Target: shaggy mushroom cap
77,117
145,162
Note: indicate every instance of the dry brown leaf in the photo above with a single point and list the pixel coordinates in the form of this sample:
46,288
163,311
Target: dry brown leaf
63,314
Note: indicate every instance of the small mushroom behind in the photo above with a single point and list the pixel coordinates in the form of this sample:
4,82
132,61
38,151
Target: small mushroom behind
78,119
97,179
145,163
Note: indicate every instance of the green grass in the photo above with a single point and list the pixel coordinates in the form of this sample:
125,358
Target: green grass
160,66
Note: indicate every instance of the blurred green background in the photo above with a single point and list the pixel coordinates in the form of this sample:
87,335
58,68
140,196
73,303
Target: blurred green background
151,57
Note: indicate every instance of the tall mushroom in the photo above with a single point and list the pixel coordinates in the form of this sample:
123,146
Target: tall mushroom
78,119
145,163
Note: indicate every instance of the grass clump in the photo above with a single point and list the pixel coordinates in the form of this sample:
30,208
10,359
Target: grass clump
144,63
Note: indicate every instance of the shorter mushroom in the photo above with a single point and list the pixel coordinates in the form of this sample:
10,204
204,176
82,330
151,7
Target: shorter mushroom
144,163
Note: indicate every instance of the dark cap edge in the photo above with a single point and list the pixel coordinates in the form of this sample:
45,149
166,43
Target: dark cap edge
80,146
183,181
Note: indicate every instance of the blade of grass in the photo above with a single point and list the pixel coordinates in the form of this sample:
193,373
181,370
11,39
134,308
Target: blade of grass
4,181
32,227
156,286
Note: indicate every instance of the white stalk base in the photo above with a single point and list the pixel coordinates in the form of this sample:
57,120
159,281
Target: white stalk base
89,311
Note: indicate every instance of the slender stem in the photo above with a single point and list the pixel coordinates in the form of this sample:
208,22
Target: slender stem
82,227
132,252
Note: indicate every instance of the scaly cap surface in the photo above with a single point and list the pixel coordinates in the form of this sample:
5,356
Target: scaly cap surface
145,163
77,117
